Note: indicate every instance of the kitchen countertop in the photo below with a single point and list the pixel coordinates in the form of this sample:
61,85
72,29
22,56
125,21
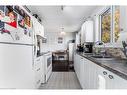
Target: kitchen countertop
117,66
43,53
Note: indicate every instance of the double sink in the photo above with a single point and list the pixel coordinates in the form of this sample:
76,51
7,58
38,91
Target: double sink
105,59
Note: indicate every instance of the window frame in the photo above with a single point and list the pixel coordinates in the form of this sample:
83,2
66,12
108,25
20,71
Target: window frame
100,24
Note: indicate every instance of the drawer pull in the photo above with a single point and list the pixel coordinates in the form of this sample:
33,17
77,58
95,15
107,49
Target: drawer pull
38,60
38,81
38,69
110,76
104,72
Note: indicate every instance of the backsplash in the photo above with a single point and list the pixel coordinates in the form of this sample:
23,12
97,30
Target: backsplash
116,52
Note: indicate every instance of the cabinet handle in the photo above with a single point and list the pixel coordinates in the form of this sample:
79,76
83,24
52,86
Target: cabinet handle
38,60
38,81
104,72
110,76
38,69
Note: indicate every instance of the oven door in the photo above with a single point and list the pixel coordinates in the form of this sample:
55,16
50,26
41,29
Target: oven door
48,66
49,61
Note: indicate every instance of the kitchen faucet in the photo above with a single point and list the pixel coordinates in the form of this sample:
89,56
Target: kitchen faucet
103,52
124,47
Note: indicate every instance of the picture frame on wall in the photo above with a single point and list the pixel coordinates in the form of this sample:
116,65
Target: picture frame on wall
60,40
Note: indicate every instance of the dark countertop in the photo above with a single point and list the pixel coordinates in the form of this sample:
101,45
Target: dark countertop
117,66
41,54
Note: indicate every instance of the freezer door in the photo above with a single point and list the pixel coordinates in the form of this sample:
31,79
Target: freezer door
16,35
16,66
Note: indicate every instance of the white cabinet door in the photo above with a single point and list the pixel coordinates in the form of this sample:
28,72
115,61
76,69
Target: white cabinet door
90,75
93,80
75,63
78,67
42,70
106,79
38,71
115,82
109,80
102,78
87,32
86,72
38,28
81,71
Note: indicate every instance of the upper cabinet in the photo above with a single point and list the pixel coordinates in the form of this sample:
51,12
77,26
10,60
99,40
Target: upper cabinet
38,28
87,31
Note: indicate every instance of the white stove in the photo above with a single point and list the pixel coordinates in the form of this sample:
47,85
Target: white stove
47,65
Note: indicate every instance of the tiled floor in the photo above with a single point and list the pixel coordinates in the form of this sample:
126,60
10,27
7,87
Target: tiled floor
62,80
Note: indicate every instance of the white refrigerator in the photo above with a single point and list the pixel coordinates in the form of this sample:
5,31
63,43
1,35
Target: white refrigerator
16,58
71,51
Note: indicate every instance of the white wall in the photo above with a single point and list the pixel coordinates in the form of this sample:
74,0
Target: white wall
52,41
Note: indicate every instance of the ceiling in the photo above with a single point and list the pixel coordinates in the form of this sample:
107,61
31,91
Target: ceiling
70,18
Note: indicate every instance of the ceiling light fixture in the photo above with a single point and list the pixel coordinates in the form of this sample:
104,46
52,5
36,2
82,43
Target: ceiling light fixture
62,31
62,7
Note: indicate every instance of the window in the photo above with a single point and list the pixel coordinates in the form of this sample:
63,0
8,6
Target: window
106,26
110,24
116,23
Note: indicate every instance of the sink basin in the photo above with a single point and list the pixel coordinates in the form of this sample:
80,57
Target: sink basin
99,56
106,59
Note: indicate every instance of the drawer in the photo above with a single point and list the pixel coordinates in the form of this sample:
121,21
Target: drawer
37,61
37,67
38,83
37,64
38,77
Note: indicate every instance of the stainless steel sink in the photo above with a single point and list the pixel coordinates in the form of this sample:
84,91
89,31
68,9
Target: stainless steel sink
100,56
103,58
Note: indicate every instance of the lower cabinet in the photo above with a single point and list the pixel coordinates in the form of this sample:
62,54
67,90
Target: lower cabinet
38,71
93,76
81,71
78,66
90,75
86,72
109,80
